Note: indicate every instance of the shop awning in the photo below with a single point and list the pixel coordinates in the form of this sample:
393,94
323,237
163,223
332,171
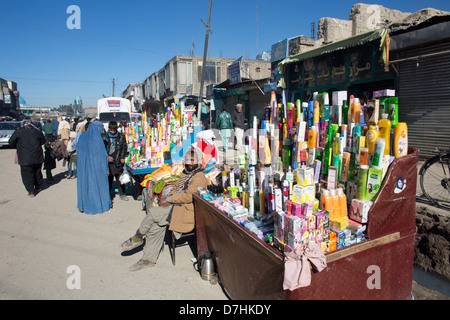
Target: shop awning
343,44
339,45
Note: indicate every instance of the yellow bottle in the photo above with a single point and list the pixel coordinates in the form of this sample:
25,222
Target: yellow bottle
384,127
371,136
400,140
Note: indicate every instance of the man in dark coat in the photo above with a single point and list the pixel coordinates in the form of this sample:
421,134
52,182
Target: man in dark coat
28,141
116,147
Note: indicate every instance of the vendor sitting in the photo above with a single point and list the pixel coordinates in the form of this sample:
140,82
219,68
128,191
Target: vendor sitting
175,211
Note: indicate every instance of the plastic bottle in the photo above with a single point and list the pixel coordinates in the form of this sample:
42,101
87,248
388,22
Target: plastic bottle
362,182
312,138
335,205
400,140
384,127
356,110
371,136
342,203
325,200
345,112
377,159
356,133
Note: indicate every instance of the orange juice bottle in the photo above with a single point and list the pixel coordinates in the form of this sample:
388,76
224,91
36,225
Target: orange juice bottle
400,140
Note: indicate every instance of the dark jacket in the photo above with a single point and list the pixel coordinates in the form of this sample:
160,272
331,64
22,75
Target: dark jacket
224,121
119,151
238,119
28,143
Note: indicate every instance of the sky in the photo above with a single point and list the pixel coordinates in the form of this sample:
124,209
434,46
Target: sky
129,40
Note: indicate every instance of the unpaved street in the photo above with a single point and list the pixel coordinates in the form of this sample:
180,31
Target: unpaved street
41,237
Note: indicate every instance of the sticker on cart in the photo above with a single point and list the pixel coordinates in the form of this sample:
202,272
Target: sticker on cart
401,185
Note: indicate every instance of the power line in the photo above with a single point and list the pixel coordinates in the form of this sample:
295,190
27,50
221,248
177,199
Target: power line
79,39
57,80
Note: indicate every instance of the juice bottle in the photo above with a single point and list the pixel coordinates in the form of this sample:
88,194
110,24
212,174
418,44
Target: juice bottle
324,200
384,127
371,136
400,140
342,202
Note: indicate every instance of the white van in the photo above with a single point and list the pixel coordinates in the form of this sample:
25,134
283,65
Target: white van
113,108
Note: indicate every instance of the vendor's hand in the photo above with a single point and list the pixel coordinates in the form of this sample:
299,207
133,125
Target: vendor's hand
163,203
110,159
107,172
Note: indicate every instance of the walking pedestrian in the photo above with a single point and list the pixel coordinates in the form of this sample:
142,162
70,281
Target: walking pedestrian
92,171
28,141
225,125
72,157
64,130
116,147
176,211
239,125
49,160
48,129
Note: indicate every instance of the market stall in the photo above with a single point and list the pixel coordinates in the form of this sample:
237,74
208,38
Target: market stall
249,268
321,203
158,139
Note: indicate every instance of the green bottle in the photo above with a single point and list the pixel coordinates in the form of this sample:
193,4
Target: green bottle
345,112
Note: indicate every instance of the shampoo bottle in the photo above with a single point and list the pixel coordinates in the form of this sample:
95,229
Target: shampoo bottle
384,127
400,140
371,136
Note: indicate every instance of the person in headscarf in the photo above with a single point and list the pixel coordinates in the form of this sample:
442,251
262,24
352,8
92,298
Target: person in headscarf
176,211
92,171
28,141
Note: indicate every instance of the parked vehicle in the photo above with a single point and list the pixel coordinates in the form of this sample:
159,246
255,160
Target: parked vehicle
7,129
113,108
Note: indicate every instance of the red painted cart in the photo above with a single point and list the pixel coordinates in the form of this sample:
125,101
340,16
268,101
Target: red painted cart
249,268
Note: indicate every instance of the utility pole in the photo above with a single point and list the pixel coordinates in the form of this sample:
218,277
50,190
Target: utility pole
114,85
205,53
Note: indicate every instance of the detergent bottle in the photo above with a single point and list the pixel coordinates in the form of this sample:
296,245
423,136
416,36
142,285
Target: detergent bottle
400,140
384,127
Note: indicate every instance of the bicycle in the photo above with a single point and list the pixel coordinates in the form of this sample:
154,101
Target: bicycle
435,179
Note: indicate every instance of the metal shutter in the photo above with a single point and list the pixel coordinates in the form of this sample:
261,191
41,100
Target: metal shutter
424,97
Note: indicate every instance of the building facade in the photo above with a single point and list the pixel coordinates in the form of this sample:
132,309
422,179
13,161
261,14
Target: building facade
9,99
181,77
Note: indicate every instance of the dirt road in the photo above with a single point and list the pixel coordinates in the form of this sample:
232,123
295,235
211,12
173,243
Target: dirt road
45,243
41,237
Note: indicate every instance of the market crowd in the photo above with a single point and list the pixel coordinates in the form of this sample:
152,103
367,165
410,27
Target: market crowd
94,156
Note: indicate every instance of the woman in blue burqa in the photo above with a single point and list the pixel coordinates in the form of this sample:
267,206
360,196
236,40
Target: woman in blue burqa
92,176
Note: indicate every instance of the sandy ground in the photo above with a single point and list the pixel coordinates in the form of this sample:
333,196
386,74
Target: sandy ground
41,237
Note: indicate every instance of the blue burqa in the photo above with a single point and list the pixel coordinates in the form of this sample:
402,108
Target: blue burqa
92,165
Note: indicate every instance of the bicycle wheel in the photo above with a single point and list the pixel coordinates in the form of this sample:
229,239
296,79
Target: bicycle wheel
434,180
